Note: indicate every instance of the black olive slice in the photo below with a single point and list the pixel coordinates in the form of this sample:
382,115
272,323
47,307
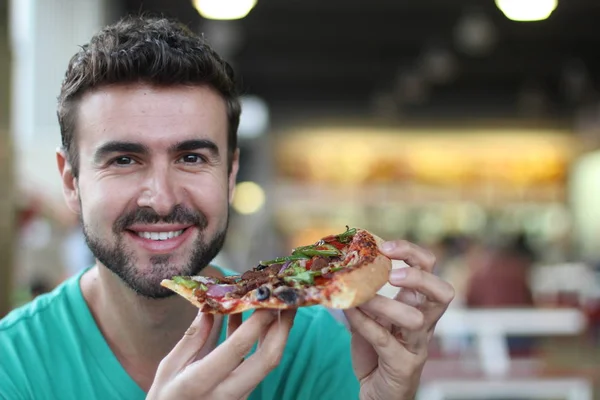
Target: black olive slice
263,293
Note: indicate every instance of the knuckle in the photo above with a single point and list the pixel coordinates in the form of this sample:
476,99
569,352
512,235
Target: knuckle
448,293
162,366
382,338
418,320
430,258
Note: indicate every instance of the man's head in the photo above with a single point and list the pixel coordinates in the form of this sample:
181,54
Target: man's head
149,116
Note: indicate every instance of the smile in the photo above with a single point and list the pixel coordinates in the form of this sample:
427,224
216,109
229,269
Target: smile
161,239
160,235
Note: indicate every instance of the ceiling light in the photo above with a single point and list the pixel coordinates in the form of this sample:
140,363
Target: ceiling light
527,10
224,9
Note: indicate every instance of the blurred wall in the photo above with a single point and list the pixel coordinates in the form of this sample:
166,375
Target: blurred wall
7,205
585,192
44,36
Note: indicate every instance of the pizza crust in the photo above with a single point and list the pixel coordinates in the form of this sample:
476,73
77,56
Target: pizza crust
355,287
181,290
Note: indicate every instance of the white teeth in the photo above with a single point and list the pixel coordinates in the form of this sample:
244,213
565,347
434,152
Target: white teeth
160,235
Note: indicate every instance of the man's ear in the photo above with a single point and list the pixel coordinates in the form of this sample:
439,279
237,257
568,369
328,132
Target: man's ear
235,166
69,182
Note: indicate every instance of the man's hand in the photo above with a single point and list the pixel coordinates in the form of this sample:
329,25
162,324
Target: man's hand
390,337
223,373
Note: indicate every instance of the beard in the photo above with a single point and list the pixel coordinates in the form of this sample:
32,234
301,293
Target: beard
146,282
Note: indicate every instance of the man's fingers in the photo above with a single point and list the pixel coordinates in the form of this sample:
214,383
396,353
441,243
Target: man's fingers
364,357
228,355
410,253
436,289
383,342
265,359
188,347
397,313
233,322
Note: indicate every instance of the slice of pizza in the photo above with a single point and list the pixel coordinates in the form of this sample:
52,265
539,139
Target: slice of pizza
339,271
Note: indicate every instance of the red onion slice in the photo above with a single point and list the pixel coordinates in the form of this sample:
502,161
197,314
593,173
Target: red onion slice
220,290
284,267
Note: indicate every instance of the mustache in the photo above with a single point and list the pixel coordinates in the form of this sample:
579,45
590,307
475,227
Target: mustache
145,215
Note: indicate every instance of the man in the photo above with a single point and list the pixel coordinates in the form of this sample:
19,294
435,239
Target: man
149,115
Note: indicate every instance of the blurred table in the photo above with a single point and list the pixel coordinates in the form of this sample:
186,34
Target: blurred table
489,329
542,389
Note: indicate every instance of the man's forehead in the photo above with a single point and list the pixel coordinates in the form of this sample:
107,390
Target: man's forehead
155,116
148,100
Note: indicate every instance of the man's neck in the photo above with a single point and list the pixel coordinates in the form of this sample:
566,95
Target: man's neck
140,331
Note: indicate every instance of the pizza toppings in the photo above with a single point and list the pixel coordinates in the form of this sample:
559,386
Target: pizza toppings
318,263
302,278
284,274
186,282
217,291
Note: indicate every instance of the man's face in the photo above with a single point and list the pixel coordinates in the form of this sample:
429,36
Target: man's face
153,189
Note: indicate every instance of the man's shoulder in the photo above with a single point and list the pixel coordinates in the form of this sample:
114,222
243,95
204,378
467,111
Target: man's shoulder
40,314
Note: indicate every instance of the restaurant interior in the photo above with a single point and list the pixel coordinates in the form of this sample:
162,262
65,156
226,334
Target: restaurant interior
469,127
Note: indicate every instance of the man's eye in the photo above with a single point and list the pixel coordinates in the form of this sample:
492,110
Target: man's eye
124,160
191,159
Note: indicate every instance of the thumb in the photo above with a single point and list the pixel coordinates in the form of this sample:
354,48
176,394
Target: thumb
188,347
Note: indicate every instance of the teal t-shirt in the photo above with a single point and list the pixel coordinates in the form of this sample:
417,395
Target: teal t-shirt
52,348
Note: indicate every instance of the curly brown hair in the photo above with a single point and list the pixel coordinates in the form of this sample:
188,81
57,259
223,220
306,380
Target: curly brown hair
158,51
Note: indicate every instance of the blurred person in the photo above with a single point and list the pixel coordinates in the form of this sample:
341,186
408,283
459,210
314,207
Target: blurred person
149,115
502,281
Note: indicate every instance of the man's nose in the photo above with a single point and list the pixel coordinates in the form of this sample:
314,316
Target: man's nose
159,191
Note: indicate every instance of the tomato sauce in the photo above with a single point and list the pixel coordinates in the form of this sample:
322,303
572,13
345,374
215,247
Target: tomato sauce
319,280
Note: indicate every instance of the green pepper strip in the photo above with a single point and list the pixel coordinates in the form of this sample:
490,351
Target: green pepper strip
346,236
188,283
325,253
311,251
280,260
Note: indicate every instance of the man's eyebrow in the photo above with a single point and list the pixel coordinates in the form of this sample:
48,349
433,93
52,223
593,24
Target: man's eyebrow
196,144
119,147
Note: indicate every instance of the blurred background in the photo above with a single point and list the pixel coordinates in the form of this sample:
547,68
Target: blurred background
471,127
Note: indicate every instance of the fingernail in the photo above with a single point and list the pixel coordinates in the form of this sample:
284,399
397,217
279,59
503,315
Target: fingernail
398,274
388,246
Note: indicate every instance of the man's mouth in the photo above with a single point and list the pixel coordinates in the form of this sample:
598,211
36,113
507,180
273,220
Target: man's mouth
160,235
161,239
